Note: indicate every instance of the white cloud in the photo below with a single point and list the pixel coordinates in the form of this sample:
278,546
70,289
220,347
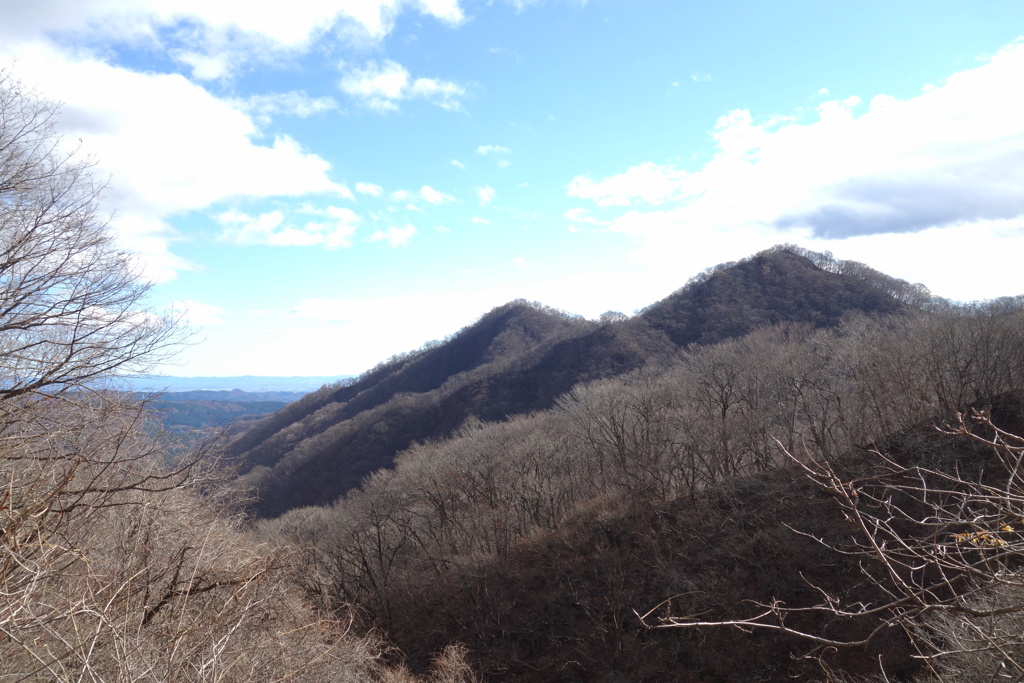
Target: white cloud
380,87
395,237
647,182
169,146
369,189
214,38
952,155
271,229
486,194
371,329
700,77
520,263
383,86
432,196
925,189
492,149
458,164
481,221
504,163
444,94
294,103
209,67
149,238
581,215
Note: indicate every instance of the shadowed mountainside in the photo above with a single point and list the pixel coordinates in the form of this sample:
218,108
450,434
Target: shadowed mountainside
559,605
537,541
521,357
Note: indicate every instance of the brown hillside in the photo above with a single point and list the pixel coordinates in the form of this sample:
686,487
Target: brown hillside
520,358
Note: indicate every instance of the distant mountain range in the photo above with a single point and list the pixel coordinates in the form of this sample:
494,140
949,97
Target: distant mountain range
200,410
246,383
521,357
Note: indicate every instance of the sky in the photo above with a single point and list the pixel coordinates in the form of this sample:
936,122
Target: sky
317,185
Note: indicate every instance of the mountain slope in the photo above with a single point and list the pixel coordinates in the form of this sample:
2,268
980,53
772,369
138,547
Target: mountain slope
519,358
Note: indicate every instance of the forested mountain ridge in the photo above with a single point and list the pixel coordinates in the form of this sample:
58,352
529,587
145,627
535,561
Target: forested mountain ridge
521,357
810,485
505,332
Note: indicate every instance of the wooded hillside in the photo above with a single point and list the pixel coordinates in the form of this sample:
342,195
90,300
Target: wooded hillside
721,486
522,357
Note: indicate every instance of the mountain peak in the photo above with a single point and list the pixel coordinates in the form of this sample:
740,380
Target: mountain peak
774,286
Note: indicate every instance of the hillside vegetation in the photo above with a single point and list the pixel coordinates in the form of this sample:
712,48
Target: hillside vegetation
119,558
698,490
522,357
601,502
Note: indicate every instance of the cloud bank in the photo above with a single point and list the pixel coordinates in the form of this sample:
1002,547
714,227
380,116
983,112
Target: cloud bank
167,143
950,156
214,38
168,146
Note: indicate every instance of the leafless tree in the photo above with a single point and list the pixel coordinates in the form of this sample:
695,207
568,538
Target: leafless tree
943,544
116,561
70,300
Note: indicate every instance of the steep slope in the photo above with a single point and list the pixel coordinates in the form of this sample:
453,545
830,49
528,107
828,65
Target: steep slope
504,332
559,605
290,457
520,358
533,540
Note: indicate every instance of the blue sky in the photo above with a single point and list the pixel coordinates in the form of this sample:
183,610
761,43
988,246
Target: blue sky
320,185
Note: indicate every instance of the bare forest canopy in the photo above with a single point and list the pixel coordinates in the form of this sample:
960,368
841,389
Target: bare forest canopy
522,357
791,482
744,481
